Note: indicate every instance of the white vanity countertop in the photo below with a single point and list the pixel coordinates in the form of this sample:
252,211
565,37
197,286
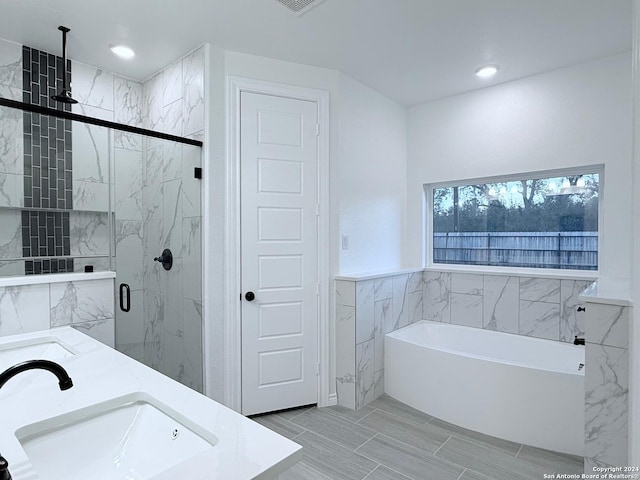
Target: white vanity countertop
610,291
245,449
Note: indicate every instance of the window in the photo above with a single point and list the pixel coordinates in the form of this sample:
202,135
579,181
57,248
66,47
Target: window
545,222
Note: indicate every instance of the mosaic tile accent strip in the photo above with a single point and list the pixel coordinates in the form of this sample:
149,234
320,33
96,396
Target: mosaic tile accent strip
47,166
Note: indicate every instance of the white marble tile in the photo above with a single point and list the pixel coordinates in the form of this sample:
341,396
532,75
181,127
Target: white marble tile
10,93
378,381
11,141
89,233
81,302
152,102
540,290
172,118
192,258
606,404
171,289
365,310
92,86
128,184
191,186
382,288
346,355
437,288
130,325
193,89
383,315
365,385
400,304
102,330
129,236
415,303
128,101
24,309
172,83
152,169
467,283
90,196
415,282
501,307
153,246
540,319
11,64
90,144
608,325
98,264
466,310
345,293
193,367
10,234
572,322
154,333
172,218
172,167
11,269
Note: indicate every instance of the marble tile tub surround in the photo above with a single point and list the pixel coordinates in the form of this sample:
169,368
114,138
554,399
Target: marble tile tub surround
531,306
369,306
60,300
606,385
366,310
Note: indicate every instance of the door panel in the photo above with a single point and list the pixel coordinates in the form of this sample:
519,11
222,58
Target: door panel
279,231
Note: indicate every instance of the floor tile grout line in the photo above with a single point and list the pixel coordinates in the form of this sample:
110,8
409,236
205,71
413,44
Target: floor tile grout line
519,450
395,471
340,445
460,476
401,417
443,444
369,474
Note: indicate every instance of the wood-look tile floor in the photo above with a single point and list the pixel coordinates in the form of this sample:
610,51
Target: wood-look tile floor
387,440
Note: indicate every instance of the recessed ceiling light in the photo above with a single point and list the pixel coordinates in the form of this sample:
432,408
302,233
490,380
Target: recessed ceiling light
487,71
123,51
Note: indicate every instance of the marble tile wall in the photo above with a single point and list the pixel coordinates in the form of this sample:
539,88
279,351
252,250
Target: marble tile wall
170,213
535,307
86,305
366,310
606,386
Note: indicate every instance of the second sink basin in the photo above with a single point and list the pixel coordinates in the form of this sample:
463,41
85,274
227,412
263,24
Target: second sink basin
132,437
44,348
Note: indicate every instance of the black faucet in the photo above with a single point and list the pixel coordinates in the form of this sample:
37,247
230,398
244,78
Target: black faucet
64,381
578,341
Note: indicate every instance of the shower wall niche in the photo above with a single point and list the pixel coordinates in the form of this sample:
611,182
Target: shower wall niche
74,194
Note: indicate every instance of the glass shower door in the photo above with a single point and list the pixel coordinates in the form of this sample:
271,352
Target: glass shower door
157,206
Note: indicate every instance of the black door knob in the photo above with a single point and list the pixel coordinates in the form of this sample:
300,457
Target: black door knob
249,296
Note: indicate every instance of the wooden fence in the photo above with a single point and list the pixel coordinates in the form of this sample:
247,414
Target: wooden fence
563,250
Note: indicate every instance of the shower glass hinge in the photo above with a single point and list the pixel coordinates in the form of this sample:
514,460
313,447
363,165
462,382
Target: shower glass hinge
197,172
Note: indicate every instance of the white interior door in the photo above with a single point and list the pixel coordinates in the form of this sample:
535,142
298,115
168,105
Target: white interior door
279,258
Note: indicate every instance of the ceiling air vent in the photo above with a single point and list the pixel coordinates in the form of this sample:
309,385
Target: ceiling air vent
300,7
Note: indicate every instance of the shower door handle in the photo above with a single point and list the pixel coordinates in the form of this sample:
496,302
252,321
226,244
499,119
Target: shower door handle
125,291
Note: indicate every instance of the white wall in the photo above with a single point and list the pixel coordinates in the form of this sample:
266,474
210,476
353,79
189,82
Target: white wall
579,115
371,179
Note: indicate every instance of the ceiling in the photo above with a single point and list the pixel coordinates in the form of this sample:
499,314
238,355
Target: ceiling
412,51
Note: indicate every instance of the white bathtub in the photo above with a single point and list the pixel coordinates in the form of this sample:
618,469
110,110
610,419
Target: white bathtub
522,389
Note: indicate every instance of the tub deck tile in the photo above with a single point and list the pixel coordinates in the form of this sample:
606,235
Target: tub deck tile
333,460
424,436
348,434
399,409
408,460
552,461
489,461
505,446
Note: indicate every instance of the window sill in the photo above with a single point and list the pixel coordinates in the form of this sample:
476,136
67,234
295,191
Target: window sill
587,275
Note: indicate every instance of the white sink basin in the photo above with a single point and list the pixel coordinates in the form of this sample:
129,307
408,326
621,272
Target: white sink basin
43,348
129,438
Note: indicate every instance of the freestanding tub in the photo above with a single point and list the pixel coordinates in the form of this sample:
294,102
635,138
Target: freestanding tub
523,389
